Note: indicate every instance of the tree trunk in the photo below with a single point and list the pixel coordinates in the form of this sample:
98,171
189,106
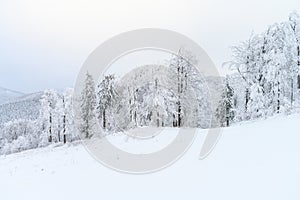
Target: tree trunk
87,129
298,51
64,129
58,134
50,128
157,119
227,121
292,91
104,119
174,121
278,97
179,114
135,118
247,99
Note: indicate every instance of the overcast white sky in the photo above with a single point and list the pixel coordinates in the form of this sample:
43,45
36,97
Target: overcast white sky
44,43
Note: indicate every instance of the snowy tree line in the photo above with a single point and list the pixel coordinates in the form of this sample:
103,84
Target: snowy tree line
172,96
267,78
265,81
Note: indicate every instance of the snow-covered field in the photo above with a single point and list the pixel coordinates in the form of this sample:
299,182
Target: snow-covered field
254,160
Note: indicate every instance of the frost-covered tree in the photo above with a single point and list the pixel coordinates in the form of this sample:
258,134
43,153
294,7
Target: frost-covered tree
293,53
87,106
48,114
268,64
225,109
187,84
106,98
67,116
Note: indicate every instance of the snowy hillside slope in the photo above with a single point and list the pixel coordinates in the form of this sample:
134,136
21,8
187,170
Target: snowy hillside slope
7,95
252,161
24,107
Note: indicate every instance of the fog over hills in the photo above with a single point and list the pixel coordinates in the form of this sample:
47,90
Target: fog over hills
7,95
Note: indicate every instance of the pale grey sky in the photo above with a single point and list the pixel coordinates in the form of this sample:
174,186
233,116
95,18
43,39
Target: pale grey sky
44,43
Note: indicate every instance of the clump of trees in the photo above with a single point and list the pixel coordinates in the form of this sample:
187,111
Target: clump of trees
267,78
19,135
266,81
55,124
158,96
56,117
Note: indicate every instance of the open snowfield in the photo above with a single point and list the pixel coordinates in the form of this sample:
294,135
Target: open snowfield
252,161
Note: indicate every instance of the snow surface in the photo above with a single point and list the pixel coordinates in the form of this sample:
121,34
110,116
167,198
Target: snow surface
253,160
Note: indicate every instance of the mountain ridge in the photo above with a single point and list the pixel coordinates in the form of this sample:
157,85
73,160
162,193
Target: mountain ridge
7,95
